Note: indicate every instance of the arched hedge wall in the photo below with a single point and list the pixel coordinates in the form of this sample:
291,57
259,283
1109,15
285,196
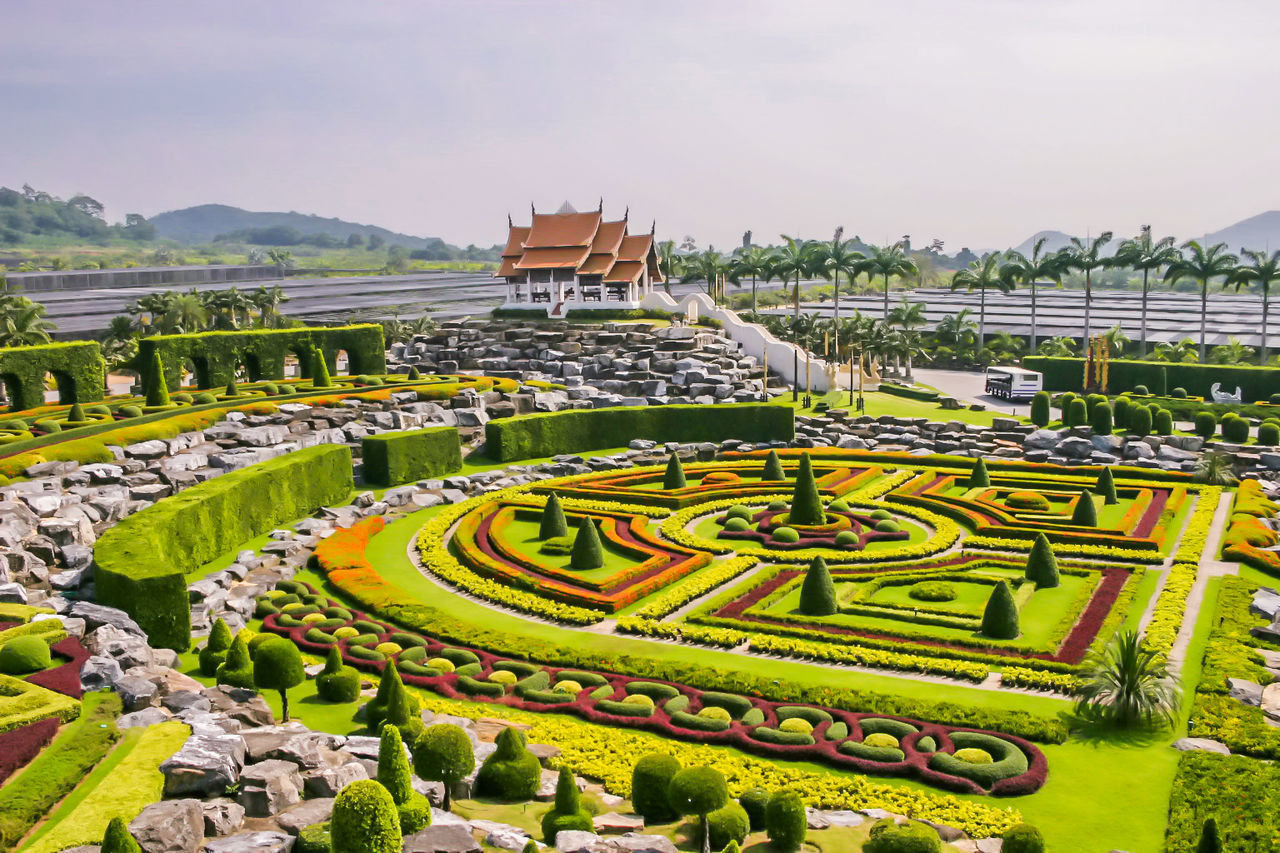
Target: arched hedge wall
76,365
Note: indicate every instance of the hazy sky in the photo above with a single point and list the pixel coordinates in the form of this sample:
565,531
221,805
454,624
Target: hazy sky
974,121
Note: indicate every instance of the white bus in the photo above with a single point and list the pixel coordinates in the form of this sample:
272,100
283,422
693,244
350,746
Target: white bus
1013,383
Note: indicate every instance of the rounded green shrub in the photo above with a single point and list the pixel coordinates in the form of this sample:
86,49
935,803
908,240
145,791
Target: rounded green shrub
1178,393
847,537
737,524
1235,429
1141,390
443,753
818,592
24,654
785,821
117,838
129,411
337,682
512,772
364,820
785,534
882,513
728,823
754,801
1100,419
1140,421
973,755
1077,413
926,744
698,791
777,506
1022,838
932,591
714,712
650,778
881,740
1274,399
278,666
1027,500
838,506
910,837
887,525
796,725
1269,434
1163,422
1040,409
739,511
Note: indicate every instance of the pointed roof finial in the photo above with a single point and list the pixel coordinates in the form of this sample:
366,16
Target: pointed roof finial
600,209
627,213
509,222
532,211
653,229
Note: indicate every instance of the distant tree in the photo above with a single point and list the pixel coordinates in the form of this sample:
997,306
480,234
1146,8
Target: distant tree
1086,256
1144,254
375,242
1263,271
982,275
136,227
1202,264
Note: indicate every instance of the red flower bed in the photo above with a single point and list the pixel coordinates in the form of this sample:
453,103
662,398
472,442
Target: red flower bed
18,746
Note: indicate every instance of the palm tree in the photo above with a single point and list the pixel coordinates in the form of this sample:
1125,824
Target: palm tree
670,262
834,258
1233,351
909,317
1020,269
1115,339
793,257
1182,351
1203,265
754,262
1129,684
268,301
959,330
709,267
887,261
187,313
1059,347
982,275
1005,347
151,308
23,324
1264,271
1086,256
1143,254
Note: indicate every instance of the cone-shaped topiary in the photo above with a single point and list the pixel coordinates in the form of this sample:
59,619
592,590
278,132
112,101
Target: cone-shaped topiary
785,820
650,779
1000,618
979,477
237,669
157,388
278,666
394,775
1040,410
1085,514
76,414
806,506
319,370
231,390
392,700
215,649
553,520
413,374
1106,487
404,711
512,772
1022,838
530,846
444,754
118,839
1042,565
567,813
1209,841
818,593
337,682
587,552
773,467
674,478
364,820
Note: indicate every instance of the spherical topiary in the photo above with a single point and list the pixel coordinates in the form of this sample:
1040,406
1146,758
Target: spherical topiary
738,524
1163,422
1077,413
1140,421
388,649
567,814
278,666
881,514
346,632
1022,838
777,506
773,467
785,821
443,753
204,398
818,592
887,525
806,505
910,837
847,537
504,677
1085,513
587,552
1100,419
237,669
1178,393
1027,500
512,772
932,591
1269,434
1042,565
1040,405
1235,429
24,654
754,802
1141,390
926,744
393,774
797,725
674,477
785,534
979,478
553,522
441,664
117,838
364,820
973,755
337,682
1000,618
650,779
698,791
881,740
739,511
730,823
714,712
639,699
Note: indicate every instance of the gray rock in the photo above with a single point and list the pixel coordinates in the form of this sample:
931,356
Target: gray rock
448,838
844,817
328,781
1245,691
615,822
206,765
136,692
1200,744
222,817
633,843
1042,439
1270,701
99,672
97,615
269,787
251,842
574,841
307,813
13,593
145,717
169,826
1266,602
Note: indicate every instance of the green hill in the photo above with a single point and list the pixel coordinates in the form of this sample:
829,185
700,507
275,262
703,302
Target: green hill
208,222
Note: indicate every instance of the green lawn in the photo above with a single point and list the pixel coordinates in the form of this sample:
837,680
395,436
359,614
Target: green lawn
521,534
880,403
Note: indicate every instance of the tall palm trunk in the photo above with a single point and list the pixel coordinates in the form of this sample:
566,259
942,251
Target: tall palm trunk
885,318
753,293
1266,294
835,326
795,353
1088,302
1204,317
982,317
1142,336
1032,351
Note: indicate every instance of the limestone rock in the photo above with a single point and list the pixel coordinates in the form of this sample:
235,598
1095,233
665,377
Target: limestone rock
169,826
448,838
251,842
1193,744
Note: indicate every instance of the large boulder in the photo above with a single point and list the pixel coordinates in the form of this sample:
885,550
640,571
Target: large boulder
1042,439
447,838
269,787
222,817
251,842
169,826
307,813
97,615
207,765
1200,744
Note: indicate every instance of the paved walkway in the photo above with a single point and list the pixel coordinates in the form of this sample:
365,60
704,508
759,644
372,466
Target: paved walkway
1209,568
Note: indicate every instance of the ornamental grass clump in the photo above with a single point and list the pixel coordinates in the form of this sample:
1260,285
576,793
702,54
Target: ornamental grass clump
364,820
567,814
674,476
587,552
553,522
1000,618
773,467
393,774
806,506
1042,565
444,754
1129,685
650,778
818,592
979,478
1085,513
337,682
512,772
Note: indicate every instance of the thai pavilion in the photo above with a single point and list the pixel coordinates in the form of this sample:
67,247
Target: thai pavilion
570,260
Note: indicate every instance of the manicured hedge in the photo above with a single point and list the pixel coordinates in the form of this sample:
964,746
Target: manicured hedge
141,562
402,457
1067,374
76,365
577,430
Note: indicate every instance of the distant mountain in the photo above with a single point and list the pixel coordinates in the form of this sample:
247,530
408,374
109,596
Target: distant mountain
1054,240
201,224
1257,232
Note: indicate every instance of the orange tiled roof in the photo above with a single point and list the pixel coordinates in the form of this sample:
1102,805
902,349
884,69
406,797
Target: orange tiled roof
635,247
562,229
582,242
554,257
625,271
515,241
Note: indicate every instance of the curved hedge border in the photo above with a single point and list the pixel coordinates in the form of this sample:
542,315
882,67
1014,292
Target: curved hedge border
402,457
78,363
1023,769
141,563
576,430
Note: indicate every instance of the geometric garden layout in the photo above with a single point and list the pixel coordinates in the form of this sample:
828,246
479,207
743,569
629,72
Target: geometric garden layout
721,554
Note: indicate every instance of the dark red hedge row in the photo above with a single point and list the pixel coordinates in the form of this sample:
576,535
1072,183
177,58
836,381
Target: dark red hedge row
64,679
20,745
